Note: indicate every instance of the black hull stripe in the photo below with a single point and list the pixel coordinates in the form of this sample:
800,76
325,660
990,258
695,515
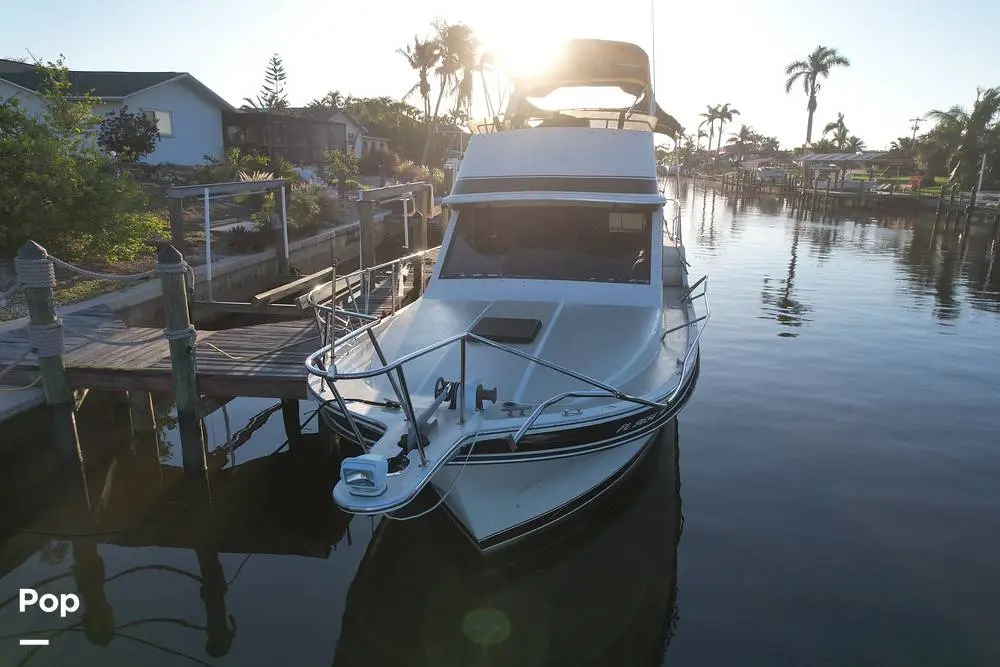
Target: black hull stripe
516,533
631,186
574,441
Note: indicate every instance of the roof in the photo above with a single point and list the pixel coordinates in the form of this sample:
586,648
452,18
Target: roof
113,85
841,157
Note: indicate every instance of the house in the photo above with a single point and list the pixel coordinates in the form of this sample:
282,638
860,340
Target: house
358,141
300,139
187,112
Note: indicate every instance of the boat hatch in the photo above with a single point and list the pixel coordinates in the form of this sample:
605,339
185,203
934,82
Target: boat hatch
516,330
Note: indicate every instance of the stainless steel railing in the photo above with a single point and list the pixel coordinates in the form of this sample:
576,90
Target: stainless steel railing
328,371
358,290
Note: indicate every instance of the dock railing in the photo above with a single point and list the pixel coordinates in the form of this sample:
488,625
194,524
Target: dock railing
322,363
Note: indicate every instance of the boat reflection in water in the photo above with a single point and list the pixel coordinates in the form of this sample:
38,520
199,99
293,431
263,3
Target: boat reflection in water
600,590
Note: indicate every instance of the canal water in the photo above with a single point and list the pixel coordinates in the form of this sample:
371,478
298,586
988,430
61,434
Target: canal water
828,497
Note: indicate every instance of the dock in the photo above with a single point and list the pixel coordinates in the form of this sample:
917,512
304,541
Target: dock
258,360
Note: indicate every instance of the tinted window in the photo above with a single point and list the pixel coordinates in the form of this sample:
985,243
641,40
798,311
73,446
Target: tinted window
590,243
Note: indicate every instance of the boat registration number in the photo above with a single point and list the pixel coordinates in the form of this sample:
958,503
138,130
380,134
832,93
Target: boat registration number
628,426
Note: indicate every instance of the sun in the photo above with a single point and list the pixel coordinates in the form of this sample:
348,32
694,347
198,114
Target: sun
521,57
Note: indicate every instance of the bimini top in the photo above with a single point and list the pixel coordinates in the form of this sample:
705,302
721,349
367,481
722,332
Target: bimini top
596,63
559,164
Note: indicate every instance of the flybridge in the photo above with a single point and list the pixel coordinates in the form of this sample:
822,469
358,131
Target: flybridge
559,164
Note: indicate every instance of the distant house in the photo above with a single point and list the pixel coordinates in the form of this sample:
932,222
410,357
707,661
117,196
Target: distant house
187,112
358,141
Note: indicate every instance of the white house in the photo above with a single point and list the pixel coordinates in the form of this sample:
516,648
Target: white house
187,112
358,141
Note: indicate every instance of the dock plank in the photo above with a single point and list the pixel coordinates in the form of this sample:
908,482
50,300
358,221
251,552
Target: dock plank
260,360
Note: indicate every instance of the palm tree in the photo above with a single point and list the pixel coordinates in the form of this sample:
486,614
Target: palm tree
816,65
853,144
333,100
904,145
423,56
836,127
457,46
968,135
743,140
711,114
724,115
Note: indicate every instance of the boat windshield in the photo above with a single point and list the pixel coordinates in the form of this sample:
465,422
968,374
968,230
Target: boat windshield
545,242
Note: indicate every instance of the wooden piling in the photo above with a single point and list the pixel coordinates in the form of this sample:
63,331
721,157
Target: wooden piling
213,593
141,409
366,232
36,273
291,420
183,364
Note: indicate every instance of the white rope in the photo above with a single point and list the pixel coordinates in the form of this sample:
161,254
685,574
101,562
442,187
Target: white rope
48,339
454,483
35,272
124,277
181,334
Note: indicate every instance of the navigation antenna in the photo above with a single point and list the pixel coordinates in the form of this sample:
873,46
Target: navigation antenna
652,57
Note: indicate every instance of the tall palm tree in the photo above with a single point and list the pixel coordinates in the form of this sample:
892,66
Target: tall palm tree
808,72
457,47
711,114
423,56
724,115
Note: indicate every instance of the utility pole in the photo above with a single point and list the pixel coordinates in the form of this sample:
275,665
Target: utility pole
916,125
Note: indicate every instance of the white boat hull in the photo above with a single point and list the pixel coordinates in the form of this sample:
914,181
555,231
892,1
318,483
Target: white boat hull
500,503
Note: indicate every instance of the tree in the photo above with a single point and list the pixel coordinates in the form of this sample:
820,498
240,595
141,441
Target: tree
130,136
853,144
838,127
711,114
724,114
965,136
60,192
808,72
457,47
422,56
272,95
334,100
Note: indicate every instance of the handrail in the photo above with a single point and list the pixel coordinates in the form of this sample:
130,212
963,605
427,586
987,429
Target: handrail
332,375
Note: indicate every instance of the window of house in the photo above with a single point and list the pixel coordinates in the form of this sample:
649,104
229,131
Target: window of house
163,119
551,242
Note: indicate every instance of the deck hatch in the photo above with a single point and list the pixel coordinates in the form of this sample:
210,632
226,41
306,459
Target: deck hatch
515,330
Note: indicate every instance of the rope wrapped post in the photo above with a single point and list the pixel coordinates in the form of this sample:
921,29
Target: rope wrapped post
181,336
36,273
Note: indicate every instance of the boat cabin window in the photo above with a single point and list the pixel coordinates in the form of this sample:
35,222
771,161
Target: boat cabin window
545,242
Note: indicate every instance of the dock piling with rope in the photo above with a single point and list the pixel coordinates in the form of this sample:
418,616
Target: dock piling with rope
91,349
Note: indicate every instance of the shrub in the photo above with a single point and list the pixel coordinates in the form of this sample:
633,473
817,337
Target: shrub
131,136
64,195
247,238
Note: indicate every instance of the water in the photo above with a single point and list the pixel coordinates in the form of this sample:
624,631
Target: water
835,474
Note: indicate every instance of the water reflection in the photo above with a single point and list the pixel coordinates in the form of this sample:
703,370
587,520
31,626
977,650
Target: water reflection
778,296
277,504
603,593
939,266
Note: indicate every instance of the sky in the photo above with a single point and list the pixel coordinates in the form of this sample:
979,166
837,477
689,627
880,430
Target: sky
906,58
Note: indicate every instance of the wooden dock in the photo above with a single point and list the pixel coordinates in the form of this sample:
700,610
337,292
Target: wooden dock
259,360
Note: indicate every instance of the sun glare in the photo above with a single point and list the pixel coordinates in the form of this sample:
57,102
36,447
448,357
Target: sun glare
519,58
